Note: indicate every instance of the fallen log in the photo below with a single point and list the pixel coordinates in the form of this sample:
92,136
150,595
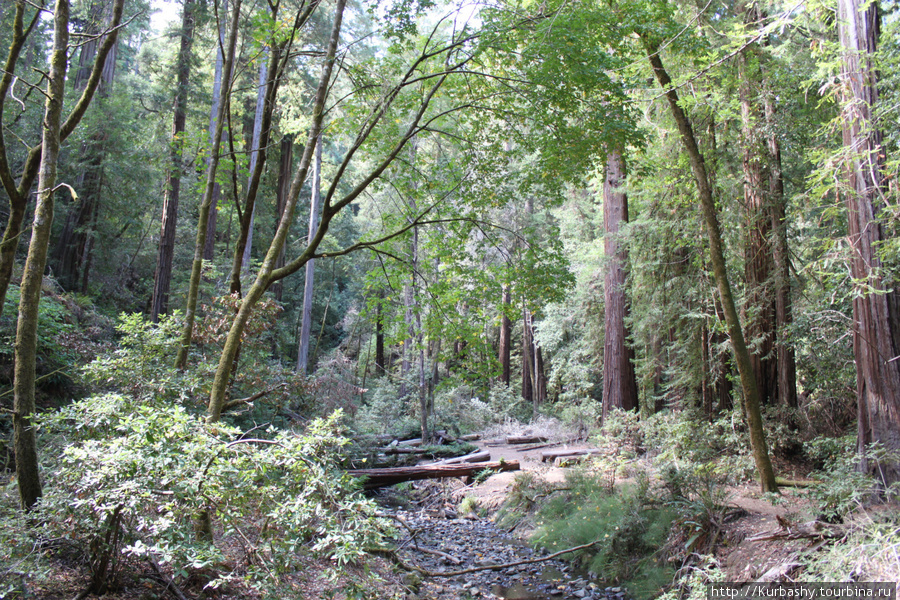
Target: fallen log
402,450
471,437
412,442
474,457
526,439
549,455
375,478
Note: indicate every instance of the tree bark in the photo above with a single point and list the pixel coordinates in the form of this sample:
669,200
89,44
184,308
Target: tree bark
758,251
528,394
210,244
306,320
265,105
876,308
505,337
389,476
190,312
163,276
717,257
284,188
380,364
245,240
619,382
27,471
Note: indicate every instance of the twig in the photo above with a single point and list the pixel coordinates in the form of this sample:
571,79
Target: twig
452,559
235,403
170,585
528,561
253,441
84,593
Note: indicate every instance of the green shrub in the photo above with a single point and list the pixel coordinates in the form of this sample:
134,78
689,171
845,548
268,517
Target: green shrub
629,527
154,482
869,552
842,487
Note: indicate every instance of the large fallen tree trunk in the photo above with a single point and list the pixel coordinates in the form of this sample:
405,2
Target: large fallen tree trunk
526,439
549,455
381,477
474,457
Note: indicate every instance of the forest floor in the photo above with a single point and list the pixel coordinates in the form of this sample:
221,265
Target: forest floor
436,533
475,539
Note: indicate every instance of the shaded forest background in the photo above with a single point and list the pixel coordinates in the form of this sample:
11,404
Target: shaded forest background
433,217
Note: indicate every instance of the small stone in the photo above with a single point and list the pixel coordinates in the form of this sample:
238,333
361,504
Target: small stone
580,593
474,591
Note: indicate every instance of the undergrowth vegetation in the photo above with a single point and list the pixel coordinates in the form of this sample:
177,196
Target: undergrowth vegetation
657,504
136,480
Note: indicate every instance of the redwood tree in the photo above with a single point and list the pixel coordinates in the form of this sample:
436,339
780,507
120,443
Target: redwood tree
619,382
163,276
876,308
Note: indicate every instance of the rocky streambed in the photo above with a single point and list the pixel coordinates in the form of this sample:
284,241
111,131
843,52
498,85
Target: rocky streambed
439,544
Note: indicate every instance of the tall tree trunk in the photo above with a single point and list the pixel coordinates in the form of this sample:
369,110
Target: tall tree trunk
210,244
784,319
758,264
267,274
190,311
261,121
306,321
619,382
71,254
163,277
505,338
284,188
876,310
18,193
528,361
380,364
27,471
717,257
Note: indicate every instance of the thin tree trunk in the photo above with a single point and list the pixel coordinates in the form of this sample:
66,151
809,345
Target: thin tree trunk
27,470
261,121
284,188
18,194
528,361
784,320
205,204
717,257
254,158
306,321
163,277
380,364
505,338
876,310
210,244
619,382
266,274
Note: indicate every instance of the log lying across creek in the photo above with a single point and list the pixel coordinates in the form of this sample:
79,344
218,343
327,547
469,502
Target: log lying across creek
375,478
474,457
550,455
526,439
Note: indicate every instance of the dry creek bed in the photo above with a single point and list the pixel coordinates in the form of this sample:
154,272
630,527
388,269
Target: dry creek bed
479,543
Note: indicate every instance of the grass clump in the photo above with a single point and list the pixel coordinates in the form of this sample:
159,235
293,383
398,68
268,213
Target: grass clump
628,525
